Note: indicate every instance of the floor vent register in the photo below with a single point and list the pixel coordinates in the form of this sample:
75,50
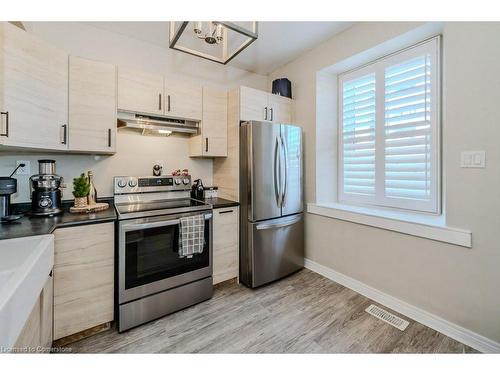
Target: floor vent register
387,317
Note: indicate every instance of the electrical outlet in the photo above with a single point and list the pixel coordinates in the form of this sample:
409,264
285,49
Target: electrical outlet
23,170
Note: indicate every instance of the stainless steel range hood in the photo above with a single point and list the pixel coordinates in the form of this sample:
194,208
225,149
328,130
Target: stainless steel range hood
156,124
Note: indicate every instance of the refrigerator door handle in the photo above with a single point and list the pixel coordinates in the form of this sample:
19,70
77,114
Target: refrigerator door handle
285,180
277,172
278,225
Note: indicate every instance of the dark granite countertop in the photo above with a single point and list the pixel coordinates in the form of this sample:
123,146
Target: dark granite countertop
220,202
33,226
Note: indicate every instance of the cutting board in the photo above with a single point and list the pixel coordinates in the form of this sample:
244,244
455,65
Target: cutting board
89,208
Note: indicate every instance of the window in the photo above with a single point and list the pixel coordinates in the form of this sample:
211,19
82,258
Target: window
389,124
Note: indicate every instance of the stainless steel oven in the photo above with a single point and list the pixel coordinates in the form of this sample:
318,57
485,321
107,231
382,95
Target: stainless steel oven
153,277
148,260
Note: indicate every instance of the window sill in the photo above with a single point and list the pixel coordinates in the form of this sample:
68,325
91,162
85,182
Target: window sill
432,228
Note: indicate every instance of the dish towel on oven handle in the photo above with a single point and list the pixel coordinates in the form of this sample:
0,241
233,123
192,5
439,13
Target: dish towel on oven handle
191,235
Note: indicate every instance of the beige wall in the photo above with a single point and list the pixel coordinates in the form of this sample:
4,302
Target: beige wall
458,284
136,154
135,157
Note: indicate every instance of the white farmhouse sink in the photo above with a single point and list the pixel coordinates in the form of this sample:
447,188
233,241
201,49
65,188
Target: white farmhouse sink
25,264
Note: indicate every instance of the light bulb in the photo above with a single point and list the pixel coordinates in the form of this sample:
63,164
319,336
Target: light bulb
218,33
197,27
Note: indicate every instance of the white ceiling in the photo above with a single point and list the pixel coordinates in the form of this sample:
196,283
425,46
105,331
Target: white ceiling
278,42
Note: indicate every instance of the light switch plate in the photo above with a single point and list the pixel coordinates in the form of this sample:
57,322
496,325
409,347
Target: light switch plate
473,159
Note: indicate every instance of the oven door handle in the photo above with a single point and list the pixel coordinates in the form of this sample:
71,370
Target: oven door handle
139,226
130,227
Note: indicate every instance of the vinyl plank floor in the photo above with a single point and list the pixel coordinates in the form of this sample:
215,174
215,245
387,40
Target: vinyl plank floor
304,313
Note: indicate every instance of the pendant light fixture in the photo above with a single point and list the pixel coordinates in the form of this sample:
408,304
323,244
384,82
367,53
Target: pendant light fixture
212,40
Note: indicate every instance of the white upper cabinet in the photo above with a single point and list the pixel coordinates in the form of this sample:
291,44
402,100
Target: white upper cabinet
147,93
214,122
183,99
92,106
140,92
280,109
253,104
211,140
33,91
259,105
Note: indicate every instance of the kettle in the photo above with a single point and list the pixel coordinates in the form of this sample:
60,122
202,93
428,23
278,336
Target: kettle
197,190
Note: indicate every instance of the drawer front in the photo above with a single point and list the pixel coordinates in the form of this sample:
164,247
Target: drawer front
224,216
83,278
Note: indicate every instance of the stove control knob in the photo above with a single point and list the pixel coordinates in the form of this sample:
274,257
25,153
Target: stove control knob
132,183
45,202
177,181
185,181
122,183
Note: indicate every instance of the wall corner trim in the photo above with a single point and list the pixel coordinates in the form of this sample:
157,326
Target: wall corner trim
461,334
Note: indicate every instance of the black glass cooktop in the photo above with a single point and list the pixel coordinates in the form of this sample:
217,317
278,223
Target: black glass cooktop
138,209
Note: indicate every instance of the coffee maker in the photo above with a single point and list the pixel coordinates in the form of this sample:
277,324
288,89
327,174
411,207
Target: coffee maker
46,194
8,186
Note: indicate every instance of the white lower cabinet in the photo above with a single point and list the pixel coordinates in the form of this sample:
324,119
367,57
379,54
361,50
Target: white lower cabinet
225,244
83,278
47,314
36,335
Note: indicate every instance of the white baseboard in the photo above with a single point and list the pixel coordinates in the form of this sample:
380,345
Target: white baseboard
463,335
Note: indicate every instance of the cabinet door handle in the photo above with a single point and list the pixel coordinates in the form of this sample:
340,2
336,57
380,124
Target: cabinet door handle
206,144
159,101
168,103
109,137
265,117
65,134
6,134
225,212
272,115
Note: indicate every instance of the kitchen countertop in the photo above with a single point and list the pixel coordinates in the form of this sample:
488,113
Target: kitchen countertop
220,202
34,226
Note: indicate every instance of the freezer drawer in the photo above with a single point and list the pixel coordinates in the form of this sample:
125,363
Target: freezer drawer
276,249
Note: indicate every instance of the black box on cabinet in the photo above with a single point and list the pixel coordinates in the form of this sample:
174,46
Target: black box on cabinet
283,87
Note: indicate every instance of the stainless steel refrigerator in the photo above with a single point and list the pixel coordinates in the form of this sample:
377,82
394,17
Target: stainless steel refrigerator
271,197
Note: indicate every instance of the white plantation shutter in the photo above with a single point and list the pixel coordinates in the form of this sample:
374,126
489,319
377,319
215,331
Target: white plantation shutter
389,131
358,135
408,130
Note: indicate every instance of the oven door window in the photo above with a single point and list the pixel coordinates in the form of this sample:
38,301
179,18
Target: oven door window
153,254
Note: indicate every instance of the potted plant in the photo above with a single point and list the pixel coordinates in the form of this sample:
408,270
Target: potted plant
81,189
